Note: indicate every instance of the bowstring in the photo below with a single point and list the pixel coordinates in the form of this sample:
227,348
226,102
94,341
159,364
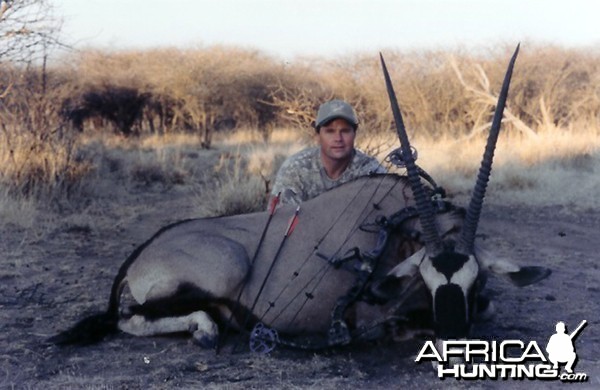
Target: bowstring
324,269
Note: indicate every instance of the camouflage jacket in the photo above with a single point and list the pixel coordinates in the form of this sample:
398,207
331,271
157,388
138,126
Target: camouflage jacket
302,176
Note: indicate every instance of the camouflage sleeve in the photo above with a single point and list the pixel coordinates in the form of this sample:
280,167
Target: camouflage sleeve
370,164
287,183
375,166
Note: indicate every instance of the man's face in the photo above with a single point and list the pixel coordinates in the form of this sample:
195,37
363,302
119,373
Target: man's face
337,139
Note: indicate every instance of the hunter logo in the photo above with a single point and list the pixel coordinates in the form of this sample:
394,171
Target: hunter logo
508,359
560,346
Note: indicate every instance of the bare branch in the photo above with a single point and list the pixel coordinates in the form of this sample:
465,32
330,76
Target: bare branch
27,28
486,97
6,91
299,105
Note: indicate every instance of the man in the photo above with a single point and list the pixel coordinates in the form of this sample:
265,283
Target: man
335,161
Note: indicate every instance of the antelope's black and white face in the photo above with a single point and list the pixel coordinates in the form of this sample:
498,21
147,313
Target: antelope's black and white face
451,279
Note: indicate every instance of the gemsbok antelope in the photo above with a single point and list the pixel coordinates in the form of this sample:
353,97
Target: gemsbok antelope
366,252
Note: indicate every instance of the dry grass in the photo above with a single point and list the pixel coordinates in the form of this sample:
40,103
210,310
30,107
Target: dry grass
21,212
558,167
547,155
39,165
244,174
233,190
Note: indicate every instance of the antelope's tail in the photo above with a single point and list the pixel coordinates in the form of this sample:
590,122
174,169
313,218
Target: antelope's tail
90,330
96,327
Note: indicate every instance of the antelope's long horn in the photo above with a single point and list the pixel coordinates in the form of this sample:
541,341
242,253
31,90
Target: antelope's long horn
467,239
433,243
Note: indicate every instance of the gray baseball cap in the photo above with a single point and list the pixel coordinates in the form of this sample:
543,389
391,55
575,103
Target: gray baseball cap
334,109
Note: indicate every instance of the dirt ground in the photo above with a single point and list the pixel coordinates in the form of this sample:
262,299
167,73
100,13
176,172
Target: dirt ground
52,276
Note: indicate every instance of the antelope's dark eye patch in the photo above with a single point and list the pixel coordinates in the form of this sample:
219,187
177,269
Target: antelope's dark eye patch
448,263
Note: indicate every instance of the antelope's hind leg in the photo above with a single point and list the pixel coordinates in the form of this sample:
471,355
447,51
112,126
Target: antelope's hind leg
190,309
203,329
184,284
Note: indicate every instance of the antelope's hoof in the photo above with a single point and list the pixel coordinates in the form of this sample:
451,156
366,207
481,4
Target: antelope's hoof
205,341
202,337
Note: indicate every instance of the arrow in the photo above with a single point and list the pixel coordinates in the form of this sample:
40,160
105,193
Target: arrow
288,232
272,208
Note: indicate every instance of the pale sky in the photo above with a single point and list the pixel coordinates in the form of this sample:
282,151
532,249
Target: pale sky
288,28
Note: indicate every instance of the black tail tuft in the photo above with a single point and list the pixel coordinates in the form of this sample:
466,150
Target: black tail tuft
90,330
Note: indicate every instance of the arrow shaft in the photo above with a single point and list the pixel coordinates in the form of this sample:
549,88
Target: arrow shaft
288,232
272,208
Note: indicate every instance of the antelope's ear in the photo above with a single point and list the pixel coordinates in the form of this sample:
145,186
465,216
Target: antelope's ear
517,275
408,267
396,281
529,275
